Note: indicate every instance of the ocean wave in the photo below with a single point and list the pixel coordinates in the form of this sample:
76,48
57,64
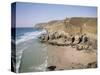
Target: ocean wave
29,35
20,48
18,58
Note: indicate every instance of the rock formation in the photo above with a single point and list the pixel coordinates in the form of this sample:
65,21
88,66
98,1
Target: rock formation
77,32
79,42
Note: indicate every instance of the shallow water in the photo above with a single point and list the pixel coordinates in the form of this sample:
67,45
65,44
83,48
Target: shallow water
34,58
30,54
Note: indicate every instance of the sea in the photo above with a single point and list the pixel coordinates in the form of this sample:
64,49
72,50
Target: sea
31,54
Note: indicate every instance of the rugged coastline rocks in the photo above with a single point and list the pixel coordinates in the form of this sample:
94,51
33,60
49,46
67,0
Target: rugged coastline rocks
92,65
82,43
61,38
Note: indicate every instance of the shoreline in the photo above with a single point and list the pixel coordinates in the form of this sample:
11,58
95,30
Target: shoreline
67,51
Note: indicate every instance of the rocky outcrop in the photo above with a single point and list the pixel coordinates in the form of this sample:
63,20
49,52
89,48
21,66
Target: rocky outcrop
77,32
92,65
62,38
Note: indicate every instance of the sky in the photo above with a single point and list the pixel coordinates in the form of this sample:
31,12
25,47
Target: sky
29,14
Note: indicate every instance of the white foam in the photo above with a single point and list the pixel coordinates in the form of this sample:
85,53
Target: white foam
29,35
18,58
43,66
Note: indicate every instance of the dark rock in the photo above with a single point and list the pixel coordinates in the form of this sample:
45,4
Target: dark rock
73,39
85,39
92,65
51,68
61,69
80,40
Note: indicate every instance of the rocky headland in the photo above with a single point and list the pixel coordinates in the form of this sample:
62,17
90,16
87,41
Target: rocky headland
78,33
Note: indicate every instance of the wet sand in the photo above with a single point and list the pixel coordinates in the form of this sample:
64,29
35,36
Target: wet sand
66,57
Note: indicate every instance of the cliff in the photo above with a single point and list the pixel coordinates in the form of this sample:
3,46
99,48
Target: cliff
72,25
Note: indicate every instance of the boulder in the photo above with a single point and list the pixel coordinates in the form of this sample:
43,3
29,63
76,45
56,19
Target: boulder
92,65
51,68
68,41
50,36
57,35
79,47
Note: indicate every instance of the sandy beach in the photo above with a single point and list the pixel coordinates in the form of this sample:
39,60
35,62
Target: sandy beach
64,57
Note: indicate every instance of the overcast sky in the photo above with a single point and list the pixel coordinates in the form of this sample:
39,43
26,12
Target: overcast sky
29,14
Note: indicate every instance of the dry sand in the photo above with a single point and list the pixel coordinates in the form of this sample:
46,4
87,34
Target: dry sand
66,57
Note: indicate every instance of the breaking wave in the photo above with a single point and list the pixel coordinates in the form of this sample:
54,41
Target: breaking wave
29,35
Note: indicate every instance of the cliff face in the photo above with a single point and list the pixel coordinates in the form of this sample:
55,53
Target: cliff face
72,25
